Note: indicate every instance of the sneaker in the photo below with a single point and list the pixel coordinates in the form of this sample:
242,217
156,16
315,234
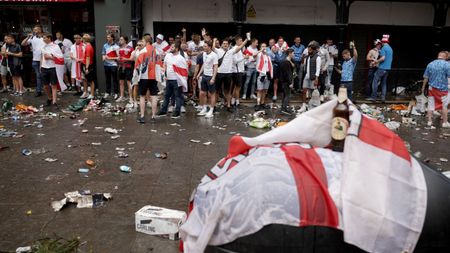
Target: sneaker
115,96
90,97
446,125
153,119
85,95
161,113
141,120
106,96
274,98
20,93
257,108
253,96
203,111
322,98
209,114
183,109
170,108
244,97
175,115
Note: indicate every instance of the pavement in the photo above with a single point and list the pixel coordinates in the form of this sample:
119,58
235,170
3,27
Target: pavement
28,184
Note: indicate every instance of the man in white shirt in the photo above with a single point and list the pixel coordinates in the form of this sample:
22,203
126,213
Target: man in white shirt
35,40
161,46
324,62
372,57
238,71
77,54
50,51
195,48
65,45
208,74
224,76
313,64
250,56
333,51
175,65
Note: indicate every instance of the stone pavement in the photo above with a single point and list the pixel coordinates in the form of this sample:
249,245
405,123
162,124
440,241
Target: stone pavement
30,183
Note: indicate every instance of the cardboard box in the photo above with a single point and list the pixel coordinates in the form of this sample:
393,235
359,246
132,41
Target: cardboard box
159,221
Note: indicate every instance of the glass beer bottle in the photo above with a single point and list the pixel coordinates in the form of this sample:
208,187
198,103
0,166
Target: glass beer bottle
340,122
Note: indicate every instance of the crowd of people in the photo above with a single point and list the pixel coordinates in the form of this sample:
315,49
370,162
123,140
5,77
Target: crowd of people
203,68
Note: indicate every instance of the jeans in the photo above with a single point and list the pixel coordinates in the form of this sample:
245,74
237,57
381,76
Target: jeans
111,71
370,76
286,95
250,79
349,86
380,75
37,70
172,89
329,74
297,80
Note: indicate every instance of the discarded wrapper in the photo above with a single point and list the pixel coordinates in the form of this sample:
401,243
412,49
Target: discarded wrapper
161,155
159,221
125,169
23,249
90,162
122,154
83,170
207,143
83,199
115,137
195,141
26,152
111,130
50,160
392,125
443,160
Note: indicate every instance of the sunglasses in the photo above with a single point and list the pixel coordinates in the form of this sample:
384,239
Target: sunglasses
140,45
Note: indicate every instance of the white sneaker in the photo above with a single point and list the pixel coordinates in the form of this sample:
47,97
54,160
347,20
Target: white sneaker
446,125
210,113
322,98
274,98
85,95
149,104
121,99
244,97
203,111
170,108
253,96
429,123
116,96
106,96
198,108
183,109
90,97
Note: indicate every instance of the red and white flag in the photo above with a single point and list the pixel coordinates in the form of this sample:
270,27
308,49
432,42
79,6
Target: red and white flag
180,67
374,191
60,71
437,99
264,64
162,48
77,51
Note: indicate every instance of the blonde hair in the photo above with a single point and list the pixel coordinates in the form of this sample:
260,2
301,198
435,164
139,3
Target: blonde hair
86,37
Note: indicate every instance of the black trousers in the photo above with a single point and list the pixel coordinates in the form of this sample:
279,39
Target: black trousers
111,75
286,95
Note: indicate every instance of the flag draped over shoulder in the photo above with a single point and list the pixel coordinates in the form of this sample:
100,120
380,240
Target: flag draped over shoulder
60,71
374,191
180,67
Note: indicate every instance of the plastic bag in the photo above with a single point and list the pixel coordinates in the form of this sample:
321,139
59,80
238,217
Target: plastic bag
421,103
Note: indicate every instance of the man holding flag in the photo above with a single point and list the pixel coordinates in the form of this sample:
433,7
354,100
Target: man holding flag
51,56
161,46
176,69
77,55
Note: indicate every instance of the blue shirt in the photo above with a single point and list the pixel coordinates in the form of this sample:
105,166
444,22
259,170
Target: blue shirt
388,54
298,51
437,73
348,67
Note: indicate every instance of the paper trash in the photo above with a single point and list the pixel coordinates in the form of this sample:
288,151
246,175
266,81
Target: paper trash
160,221
83,199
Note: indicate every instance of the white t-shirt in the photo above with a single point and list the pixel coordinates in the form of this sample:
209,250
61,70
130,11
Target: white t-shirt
169,61
67,44
333,51
238,62
209,60
227,61
53,49
194,48
36,45
251,61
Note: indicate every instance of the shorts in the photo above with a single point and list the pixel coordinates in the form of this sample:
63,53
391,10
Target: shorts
48,76
3,70
238,79
223,79
262,83
90,76
148,84
308,84
192,70
206,86
276,72
125,74
437,99
68,64
16,70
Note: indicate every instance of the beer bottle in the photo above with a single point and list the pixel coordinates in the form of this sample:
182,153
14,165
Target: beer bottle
340,122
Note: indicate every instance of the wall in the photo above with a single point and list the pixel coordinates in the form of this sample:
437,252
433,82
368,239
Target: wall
109,12
391,13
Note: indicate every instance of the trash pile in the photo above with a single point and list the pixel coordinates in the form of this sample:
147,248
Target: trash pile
83,199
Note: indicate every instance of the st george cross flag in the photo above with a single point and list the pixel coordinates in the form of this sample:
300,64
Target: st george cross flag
374,191
180,67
